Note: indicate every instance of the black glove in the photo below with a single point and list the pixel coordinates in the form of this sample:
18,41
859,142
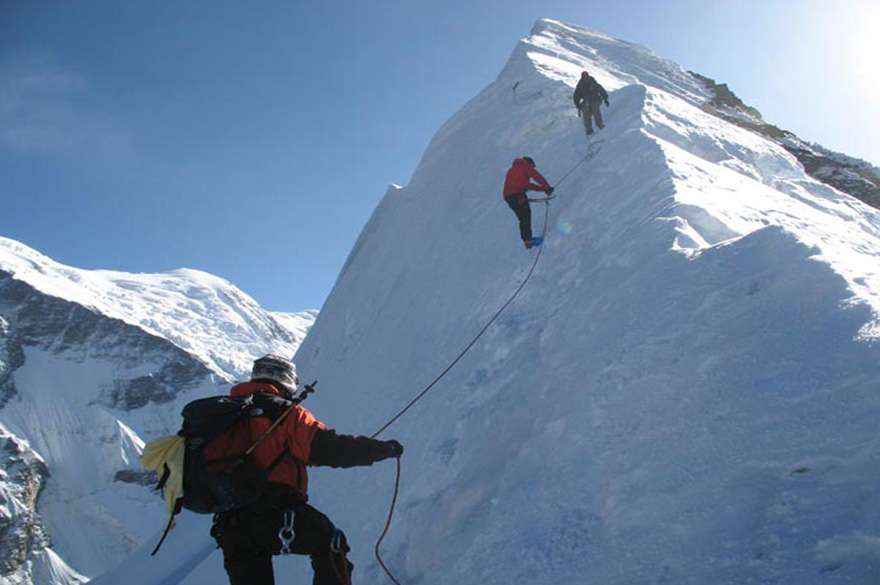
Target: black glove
549,190
606,103
393,449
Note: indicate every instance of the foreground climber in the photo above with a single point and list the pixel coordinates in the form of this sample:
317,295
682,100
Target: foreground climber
588,97
516,183
281,521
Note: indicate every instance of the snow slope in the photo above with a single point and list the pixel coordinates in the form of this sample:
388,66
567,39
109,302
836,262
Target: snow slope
684,392
92,365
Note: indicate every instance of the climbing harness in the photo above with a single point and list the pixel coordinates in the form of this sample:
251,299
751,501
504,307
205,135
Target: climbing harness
336,543
234,463
458,358
337,547
286,533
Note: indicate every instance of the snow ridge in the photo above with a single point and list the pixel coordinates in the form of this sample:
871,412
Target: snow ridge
685,392
668,381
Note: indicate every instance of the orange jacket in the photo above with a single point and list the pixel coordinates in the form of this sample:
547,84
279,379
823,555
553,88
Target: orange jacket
294,435
517,179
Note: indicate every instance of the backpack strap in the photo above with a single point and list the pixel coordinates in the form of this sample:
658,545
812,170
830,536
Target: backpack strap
168,527
271,428
281,456
166,473
309,388
237,460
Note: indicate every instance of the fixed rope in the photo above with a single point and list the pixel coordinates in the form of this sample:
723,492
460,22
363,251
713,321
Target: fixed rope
431,385
388,526
477,336
590,154
452,364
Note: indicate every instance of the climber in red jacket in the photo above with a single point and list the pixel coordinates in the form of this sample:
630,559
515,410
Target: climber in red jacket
516,184
282,521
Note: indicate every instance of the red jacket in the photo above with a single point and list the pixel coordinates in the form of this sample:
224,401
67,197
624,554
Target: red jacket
517,179
295,434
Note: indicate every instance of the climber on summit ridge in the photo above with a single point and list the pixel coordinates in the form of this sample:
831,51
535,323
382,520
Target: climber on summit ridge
588,97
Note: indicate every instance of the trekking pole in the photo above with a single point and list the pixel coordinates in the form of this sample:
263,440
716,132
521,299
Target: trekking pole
307,389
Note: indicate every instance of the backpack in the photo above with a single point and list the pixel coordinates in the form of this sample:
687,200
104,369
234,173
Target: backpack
231,482
220,485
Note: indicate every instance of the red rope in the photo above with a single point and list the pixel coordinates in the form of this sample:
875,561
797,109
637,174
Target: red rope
388,526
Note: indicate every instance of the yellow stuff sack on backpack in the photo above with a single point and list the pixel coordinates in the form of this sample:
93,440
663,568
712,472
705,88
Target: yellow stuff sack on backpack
166,454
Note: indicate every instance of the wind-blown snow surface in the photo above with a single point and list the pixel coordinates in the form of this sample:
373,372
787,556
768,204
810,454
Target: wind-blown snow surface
102,362
686,390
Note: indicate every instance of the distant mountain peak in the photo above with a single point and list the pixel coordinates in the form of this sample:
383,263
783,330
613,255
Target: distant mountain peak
224,327
91,361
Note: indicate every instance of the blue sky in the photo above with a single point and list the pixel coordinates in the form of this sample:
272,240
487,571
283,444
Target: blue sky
253,139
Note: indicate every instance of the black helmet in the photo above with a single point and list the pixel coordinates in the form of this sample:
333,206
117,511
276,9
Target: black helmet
529,160
277,369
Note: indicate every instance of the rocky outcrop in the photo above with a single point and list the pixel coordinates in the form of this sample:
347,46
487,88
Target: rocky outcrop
147,369
161,386
22,476
845,173
92,364
851,175
11,358
60,326
145,478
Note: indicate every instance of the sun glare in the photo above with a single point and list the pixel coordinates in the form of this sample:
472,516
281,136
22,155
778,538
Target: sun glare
865,46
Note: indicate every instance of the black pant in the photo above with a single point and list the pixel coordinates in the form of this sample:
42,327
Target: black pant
519,203
590,111
249,538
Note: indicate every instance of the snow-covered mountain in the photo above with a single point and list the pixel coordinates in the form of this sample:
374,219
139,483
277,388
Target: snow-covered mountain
684,392
92,364
851,175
